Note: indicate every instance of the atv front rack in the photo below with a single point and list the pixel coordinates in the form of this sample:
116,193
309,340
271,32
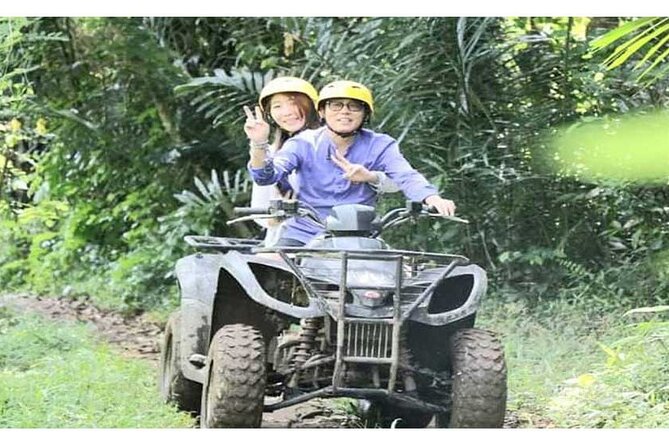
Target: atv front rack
330,276
369,335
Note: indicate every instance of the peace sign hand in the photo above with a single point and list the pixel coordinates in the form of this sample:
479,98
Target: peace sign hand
355,173
255,127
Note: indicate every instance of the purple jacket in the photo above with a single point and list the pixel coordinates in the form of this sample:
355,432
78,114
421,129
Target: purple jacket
321,181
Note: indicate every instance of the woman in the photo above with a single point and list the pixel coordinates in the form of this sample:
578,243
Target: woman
290,104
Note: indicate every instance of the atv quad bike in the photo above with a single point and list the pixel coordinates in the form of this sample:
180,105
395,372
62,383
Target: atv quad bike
261,329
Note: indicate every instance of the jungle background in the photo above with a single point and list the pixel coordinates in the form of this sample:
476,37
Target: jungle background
119,136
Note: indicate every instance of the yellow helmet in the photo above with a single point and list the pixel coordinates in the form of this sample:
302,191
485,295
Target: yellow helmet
287,84
349,90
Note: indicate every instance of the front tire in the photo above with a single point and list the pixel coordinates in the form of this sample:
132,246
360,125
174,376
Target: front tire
174,386
479,381
234,389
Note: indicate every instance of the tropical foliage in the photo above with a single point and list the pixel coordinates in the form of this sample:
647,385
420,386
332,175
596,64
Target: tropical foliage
111,128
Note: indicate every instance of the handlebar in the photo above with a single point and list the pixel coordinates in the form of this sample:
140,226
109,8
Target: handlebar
242,211
284,209
278,209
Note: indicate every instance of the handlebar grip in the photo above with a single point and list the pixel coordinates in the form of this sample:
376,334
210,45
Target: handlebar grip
457,219
432,211
249,211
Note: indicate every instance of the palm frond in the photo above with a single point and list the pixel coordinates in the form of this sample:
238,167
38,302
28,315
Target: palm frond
618,33
221,97
640,33
211,191
632,46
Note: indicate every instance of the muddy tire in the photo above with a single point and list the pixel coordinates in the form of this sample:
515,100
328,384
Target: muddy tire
234,389
479,381
174,386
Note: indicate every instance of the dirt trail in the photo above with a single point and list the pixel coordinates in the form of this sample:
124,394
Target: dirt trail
135,336
138,337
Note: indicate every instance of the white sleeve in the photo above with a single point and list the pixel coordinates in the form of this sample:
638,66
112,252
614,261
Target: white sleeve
273,235
262,195
260,198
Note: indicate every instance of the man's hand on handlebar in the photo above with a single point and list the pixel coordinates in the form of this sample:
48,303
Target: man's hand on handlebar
444,207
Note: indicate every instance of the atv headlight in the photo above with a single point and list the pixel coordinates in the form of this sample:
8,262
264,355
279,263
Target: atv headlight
371,278
378,283
371,298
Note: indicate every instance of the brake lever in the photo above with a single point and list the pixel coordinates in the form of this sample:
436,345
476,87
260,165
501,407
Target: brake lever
447,217
248,218
457,219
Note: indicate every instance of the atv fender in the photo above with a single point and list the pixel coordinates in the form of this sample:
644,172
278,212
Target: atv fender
457,297
205,278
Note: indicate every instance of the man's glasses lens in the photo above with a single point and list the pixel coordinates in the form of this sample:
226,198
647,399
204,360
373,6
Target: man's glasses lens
353,106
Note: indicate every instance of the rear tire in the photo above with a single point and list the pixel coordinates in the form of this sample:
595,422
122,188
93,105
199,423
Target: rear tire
234,389
479,381
174,386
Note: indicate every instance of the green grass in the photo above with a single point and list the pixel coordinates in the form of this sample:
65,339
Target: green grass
570,366
54,375
630,388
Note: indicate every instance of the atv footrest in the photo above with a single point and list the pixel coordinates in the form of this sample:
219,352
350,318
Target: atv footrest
400,399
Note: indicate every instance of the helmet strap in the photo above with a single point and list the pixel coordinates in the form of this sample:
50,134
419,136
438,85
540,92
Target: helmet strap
342,134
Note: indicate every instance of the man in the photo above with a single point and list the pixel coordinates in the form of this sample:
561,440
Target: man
319,157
